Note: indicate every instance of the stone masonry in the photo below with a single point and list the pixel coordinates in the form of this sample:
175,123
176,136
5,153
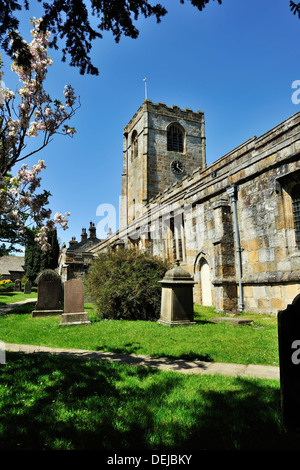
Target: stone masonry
192,218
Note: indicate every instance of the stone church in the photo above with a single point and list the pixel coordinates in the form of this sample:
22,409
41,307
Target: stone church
234,225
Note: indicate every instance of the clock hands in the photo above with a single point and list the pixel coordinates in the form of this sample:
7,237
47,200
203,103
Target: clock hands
177,167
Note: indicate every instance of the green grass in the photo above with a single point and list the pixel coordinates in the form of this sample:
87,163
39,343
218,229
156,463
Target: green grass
222,342
11,297
62,403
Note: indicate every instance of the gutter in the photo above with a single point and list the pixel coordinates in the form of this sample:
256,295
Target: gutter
232,193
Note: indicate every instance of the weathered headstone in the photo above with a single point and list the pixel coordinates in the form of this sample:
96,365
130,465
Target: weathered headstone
74,313
49,294
289,362
17,286
27,287
177,298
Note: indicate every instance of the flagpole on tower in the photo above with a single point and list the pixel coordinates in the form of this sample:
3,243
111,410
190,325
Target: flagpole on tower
145,80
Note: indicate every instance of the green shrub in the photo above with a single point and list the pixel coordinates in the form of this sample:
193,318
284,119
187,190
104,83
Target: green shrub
6,285
125,284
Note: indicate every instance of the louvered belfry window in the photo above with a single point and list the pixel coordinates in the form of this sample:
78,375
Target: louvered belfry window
134,145
296,212
175,139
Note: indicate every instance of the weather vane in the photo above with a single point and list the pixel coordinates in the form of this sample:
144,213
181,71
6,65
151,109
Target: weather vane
145,80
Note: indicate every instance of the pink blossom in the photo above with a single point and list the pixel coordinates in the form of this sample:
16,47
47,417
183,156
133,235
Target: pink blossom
36,113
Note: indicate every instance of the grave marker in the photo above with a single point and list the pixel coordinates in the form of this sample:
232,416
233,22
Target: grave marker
17,286
27,287
74,313
177,298
49,294
289,362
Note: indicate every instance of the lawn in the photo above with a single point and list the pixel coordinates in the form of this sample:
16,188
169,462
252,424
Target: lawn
63,403
221,342
10,297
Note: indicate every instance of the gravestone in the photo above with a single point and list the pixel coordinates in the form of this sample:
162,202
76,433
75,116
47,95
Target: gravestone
177,298
27,287
289,362
49,294
17,286
74,313
232,320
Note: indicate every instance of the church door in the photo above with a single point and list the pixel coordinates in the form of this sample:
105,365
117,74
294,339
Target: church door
205,284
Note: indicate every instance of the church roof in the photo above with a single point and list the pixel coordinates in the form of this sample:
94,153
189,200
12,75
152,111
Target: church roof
10,264
86,242
84,245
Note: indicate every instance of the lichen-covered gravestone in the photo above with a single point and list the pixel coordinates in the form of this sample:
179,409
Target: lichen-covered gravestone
74,313
17,287
177,298
49,294
27,287
289,362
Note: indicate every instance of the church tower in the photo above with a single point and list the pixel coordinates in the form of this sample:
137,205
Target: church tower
161,145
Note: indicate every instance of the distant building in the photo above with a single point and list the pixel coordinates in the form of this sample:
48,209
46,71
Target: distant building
234,225
75,259
12,267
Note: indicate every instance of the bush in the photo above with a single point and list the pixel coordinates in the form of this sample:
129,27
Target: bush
125,284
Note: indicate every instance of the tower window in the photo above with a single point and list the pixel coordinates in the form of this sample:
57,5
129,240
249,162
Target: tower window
134,145
296,212
175,139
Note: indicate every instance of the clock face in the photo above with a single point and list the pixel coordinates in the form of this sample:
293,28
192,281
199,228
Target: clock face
177,167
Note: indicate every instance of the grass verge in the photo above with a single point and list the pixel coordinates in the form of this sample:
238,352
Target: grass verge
221,342
11,297
60,403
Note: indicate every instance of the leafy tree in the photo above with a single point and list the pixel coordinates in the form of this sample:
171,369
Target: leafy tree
37,260
30,114
71,20
9,236
125,284
295,8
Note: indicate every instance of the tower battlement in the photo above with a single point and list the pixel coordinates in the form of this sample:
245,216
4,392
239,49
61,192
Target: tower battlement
161,145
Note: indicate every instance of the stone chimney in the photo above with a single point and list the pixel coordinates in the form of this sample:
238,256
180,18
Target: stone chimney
72,242
83,235
92,230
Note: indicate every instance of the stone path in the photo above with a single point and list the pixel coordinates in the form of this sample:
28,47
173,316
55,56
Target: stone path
166,364
5,308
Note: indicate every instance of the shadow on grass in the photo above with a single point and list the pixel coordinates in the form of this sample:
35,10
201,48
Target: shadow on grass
134,348
25,308
53,402
7,294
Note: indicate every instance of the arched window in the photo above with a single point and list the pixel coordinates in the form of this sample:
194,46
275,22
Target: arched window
134,145
296,212
175,138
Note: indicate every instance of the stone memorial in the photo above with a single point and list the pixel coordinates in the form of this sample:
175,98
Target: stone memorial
18,284
74,313
27,287
177,306
289,363
49,294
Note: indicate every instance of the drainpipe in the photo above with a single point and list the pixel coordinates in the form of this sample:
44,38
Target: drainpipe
232,193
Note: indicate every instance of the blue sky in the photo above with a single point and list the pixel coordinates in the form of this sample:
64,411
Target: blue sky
236,62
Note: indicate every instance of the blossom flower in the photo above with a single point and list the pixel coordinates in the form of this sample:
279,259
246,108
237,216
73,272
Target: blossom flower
35,114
